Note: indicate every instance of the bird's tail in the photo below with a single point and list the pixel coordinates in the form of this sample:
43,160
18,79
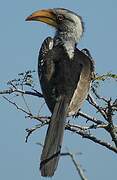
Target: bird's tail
53,141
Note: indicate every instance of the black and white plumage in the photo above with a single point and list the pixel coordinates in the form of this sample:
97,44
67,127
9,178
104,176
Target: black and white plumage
65,75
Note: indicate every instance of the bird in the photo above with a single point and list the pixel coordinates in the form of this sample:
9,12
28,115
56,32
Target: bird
65,75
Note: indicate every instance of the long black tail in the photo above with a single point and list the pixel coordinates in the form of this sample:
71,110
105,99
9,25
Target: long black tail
53,141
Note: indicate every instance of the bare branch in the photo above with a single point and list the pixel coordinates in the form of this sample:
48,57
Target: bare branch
89,118
92,126
94,104
13,90
98,96
31,130
106,111
85,134
29,115
111,127
17,107
73,128
76,164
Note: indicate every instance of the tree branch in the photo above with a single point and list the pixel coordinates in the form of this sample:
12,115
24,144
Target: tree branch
76,164
89,118
74,128
85,134
16,90
94,104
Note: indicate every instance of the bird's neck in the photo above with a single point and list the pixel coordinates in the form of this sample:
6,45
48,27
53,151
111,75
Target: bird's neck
67,40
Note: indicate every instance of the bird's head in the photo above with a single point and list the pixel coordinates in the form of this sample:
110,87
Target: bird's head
66,22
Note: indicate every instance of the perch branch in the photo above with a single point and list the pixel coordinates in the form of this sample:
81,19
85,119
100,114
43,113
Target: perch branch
85,134
13,90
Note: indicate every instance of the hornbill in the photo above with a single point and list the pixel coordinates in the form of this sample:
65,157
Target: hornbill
65,75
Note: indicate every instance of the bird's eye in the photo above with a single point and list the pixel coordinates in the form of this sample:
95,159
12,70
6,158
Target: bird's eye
60,17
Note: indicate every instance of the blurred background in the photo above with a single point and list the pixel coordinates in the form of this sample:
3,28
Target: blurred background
19,45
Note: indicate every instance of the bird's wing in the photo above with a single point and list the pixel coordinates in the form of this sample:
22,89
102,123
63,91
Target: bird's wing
83,85
45,49
46,68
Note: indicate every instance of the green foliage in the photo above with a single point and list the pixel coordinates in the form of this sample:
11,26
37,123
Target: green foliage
107,76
